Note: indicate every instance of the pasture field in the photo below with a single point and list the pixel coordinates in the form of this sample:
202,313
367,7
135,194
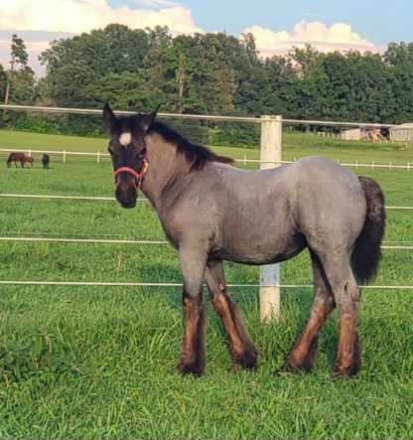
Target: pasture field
99,362
295,145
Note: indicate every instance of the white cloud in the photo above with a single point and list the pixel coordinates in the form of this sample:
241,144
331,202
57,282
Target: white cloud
62,18
338,36
153,3
78,16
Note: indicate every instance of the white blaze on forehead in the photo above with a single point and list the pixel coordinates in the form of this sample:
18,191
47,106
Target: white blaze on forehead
125,139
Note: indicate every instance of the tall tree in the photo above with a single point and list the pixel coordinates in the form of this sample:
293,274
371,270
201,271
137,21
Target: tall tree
19,53
399,61
73,65
20,77
3,81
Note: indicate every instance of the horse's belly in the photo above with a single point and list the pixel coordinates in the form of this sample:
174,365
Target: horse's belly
262,251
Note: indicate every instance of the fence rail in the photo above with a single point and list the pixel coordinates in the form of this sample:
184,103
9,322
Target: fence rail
391,165
84,111
127,241
112,199
144,284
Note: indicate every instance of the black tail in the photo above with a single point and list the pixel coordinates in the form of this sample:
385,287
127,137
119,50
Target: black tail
367,251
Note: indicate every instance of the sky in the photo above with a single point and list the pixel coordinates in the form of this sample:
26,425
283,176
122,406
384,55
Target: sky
278,26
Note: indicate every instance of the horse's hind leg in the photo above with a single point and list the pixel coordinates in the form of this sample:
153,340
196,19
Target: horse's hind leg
243,351
346,293
302,356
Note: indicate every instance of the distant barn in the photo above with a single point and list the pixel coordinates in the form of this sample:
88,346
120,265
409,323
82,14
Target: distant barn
402,133
363,133
351,135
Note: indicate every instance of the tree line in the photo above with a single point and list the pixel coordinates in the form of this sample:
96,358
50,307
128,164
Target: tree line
211,73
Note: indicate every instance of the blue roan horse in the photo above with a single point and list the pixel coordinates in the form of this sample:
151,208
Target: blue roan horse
211,212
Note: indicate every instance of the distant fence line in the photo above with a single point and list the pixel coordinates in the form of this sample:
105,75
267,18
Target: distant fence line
408,166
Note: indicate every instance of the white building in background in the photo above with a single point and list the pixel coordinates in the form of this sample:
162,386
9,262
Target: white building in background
402,133
351,135
363,133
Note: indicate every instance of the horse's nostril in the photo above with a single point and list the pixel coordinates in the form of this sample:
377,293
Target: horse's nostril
131,193
126,195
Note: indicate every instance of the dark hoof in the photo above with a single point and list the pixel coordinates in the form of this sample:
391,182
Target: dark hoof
302,364
247,361
349,371
194,369
345,373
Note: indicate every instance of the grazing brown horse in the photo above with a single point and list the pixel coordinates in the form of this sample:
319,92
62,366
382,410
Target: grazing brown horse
29,160
212,212
19,157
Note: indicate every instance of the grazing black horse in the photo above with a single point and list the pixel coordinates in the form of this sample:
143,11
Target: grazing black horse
45,161
212,212
19,157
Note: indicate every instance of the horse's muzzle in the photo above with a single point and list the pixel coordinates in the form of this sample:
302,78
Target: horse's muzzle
126,195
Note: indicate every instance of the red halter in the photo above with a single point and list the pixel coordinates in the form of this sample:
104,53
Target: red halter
139,175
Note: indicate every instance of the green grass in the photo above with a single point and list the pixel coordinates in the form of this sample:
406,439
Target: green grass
82,362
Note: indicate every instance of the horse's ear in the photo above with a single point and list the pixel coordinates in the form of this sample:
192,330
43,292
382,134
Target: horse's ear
109,117
148,119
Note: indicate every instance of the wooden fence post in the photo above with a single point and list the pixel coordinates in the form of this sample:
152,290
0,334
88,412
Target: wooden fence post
271,157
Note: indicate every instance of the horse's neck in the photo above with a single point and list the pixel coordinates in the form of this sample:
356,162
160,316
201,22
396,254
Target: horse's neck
166,172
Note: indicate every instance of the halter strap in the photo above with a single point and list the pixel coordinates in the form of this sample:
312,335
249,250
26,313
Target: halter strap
139,175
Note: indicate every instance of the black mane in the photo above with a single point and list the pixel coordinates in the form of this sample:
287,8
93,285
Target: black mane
196,155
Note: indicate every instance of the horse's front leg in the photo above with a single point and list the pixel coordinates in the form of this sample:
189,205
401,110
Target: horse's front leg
193,344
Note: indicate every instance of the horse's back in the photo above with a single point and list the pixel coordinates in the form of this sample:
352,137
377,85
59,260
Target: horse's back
313,196
321,181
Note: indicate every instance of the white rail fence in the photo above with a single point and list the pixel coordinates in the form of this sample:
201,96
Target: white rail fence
133,284
26,239
271,146
99,157
112,199
254,120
